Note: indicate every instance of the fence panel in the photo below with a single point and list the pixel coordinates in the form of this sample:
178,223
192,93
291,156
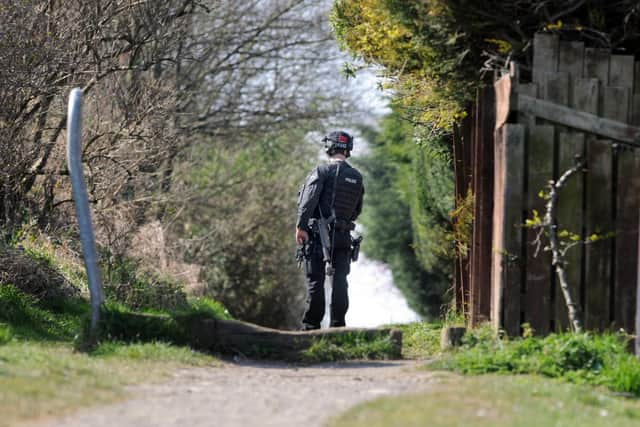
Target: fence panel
603,274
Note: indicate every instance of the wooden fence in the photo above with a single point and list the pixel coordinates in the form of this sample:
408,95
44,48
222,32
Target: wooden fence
582,102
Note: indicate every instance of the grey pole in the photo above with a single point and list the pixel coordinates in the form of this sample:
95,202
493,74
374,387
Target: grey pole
74,163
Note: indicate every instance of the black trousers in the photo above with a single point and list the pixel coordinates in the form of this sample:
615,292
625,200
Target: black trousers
315,271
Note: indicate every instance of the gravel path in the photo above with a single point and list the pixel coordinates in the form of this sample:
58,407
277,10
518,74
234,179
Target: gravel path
255,394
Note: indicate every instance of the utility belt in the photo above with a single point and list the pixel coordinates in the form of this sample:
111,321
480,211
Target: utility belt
342,225
326,240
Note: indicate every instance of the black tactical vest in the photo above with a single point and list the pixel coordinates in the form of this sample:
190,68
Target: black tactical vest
348,190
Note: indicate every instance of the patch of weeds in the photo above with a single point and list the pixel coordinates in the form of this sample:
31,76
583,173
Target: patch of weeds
623,374
206,307
578,358
126,282
351,346
420,340
5,334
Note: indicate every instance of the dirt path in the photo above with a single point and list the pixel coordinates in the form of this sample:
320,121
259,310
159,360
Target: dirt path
255,394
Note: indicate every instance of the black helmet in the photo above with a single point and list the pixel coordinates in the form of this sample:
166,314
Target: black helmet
338,140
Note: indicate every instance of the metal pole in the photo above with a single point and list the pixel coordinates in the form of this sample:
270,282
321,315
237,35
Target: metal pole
74,163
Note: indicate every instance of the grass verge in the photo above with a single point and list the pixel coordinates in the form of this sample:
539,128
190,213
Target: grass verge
496,401
579,358
44,378
42,374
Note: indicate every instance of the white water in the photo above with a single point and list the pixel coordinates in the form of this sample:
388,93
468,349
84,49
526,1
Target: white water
373,298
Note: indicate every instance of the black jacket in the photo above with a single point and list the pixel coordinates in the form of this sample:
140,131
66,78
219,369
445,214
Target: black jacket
316,196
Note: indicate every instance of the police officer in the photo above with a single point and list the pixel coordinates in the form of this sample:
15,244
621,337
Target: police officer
334,191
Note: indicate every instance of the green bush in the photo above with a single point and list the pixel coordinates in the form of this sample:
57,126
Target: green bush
406,211
580,358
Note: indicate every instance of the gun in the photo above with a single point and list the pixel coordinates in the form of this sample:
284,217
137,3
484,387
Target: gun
355,248
321,225
302,253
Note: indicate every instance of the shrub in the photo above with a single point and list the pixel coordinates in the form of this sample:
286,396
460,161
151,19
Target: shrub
126,282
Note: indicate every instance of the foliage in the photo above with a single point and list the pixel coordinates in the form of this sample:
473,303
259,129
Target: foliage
127,282
462,224
580,358
406,212
432,205
238,226
29,318
420,340
167,87
6,334
423,55
349,346
435,52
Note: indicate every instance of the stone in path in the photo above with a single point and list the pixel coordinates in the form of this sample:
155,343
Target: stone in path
255,394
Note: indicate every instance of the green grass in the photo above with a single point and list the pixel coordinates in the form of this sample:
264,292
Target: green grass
28,318
41,249
350,346
420,340
496,401
579,358
42,378
41,372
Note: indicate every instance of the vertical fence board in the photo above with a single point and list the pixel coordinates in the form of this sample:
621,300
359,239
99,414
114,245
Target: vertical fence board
556,88
616,103
598,220
617,106
596,64
598,213
546,49
570,218
571,58
483,186
621,71
627,223
586,93
506,273
538,274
